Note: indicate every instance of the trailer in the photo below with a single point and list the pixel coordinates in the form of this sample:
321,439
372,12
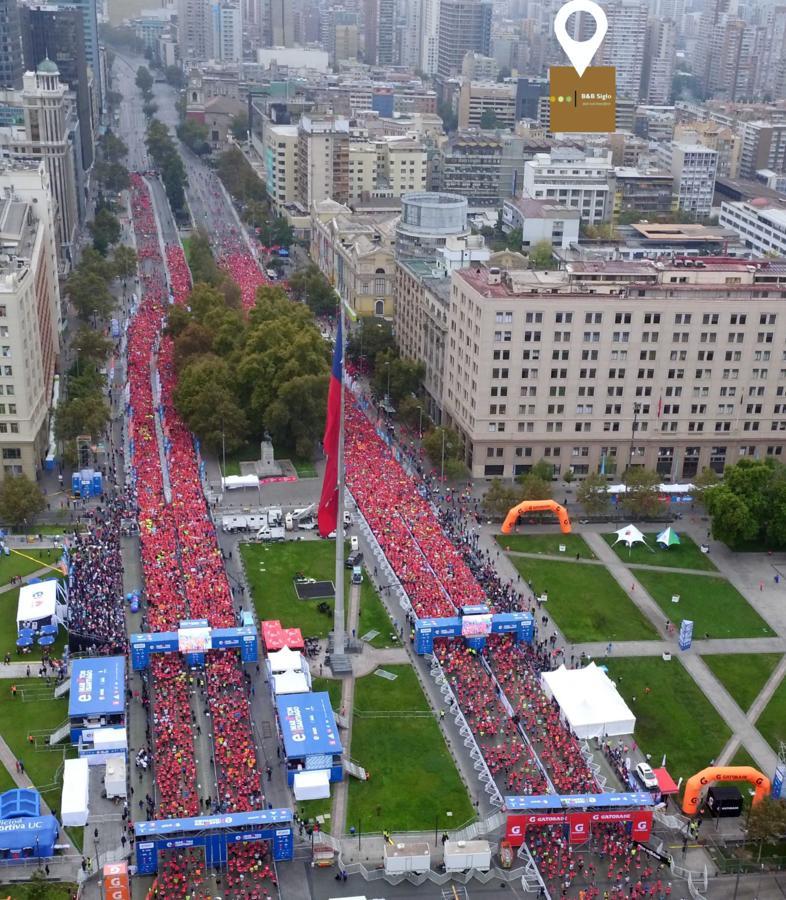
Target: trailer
234,524
403,858
463,855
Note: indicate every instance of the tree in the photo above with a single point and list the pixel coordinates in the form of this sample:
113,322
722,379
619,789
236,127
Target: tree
396,377
767,822
488,119
21,500
311,287
706,479
205,399
533,487
440,437
144,80
500,498
200,259
541,256
105,230
149,108
111,147
194,135
124,261
513,239
640,499
89,294
112,176
175,76
239,126
195,340
412,411
371,337
593,494
91,345
543,470
296,418
81,415
38,886
732,519
569,476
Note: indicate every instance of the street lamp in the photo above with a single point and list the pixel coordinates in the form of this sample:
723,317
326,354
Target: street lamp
387,396
636,411
450,447
420,423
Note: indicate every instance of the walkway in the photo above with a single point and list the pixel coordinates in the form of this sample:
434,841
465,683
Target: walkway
566,558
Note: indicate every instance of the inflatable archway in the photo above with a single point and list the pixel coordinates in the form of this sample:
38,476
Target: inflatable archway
537,506
695,785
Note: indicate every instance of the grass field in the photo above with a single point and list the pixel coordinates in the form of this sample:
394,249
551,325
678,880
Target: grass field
332,686
16,565
675,718
270,569
714,605
18,717
585,601
413,777
546,543
9,601
743,674
686,555
772,722
28,891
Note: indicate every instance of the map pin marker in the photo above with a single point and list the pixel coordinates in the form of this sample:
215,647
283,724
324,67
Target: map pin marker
580,53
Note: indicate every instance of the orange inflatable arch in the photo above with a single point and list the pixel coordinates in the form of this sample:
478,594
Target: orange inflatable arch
695,785
537,506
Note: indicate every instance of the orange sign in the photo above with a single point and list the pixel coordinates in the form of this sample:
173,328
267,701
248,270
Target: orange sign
116,884
585,102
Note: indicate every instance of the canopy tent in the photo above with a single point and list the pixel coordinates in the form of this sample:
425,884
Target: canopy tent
668,537
285,660
312,785
630,535
588,701
274,637
662,488
38,604
291,683
233,482
20,803
666,783
76,785
36,837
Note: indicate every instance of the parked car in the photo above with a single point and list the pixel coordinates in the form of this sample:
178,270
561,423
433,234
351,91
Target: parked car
354,559
646,776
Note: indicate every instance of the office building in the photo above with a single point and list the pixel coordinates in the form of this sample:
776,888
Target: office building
339,34
571,178
540,220
194,30
725,140
475,67
428,22
10,45
92,48
486,104
658,72
58,34
763,147
648,194
771,80
322,160
30,318
282,23
605,365
227,42
693,168
760,223
464,25
379,32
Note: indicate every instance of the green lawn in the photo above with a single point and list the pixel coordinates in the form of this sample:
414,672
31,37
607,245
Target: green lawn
546,543
310,809
772,722
270,569
26,891
675,718
19,717
332,686
686,555
743,674
413,777
305,468
9,601
18,565
585,601
714,605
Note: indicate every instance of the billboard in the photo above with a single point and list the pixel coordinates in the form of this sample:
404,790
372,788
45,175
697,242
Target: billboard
194,639
98,686
476,626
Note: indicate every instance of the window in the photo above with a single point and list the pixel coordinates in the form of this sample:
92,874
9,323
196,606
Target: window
502,354
531,354
593,318
563,318
533,317
767,319
680,337
652,318
620,337
504,318
12,453
591,337
379,285
560,354
737,319
8,371
733,355
563,336
682,319
706,355
529,373
709,319
531,336
622,319
589,354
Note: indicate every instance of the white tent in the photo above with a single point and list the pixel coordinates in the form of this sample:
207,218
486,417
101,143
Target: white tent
662,488
37,602
630,535
286,660
589,703
231,482
76,786
291,683
312,784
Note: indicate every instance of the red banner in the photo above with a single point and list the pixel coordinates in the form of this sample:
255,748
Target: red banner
579,827
612,815
642,825
517,824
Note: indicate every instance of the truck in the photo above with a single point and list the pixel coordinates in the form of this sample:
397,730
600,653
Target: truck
402,858
463,855
272,529
299,518
233,524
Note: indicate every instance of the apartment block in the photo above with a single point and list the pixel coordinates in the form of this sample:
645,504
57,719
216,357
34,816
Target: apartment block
464,25
694,169
569,177
486,104
763,147
540,220
725,140
760,223
322,164
646,192
604,365
30,318
658,71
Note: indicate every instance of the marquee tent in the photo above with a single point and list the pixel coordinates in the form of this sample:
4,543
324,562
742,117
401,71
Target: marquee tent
668,537
589,703
285,660
233,482
38,605
630,535
312,785
76,786
291,683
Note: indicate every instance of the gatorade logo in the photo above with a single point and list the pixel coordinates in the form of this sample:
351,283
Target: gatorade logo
642,825
579,827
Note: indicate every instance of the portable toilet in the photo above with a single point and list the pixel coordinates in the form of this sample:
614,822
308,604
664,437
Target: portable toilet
76,485
97,485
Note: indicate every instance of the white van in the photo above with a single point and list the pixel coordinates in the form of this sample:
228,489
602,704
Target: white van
353,543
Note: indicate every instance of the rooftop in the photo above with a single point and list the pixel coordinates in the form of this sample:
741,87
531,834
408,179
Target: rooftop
685,233
543,209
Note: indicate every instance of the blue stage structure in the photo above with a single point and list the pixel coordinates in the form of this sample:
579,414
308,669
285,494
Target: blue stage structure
215,833
579,801
97,698
474,624
24,832
193,639
308,728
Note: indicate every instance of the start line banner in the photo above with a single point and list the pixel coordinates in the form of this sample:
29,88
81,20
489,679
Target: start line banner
579,823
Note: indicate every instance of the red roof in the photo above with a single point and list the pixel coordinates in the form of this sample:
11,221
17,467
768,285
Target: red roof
665,782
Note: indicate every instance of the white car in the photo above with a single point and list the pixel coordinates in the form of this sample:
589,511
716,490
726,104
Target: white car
646,776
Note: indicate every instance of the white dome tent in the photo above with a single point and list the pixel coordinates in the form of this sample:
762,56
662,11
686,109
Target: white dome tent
630,535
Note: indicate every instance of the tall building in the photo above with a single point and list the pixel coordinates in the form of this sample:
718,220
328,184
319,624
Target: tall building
194,29
463,25
625,43
282,23
771,79
570,178
763,147
90,32
606,365
227,40
429,36
10,45
659,62
58,34
322,160
694,168
711,26
379,32
30,318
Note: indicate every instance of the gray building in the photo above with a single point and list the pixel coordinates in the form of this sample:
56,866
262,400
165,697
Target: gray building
10,45
427,220
90,31
464,25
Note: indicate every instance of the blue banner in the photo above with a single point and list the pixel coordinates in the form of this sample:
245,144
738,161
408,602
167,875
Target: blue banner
98,686
578,801
777,782
307,724
686,634
221,821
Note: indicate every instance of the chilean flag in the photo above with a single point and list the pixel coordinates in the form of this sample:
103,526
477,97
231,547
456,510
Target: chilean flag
327,517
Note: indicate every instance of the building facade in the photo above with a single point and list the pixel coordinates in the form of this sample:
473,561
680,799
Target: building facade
694,168
604,365
10,46
464,25
570,178
760,223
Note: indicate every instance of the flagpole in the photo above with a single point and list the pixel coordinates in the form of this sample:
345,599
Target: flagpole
338,615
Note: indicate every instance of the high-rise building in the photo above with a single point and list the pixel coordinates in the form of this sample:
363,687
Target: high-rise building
194,29
379,32
763,147
282,23
10,45
659,62
30,317
227,32
90,31
711,25
694,168
322,160
463,25
58,34
429,36
771,80
624,45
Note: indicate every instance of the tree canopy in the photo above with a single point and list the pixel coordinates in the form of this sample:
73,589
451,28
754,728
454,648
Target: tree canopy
749,505
21,500
311,287
640,499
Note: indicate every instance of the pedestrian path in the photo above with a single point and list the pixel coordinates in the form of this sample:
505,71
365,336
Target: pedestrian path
599,562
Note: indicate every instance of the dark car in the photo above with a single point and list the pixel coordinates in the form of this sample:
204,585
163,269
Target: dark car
354,559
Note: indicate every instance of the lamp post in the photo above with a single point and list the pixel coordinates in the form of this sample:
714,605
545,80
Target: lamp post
387,395
420,423
636,411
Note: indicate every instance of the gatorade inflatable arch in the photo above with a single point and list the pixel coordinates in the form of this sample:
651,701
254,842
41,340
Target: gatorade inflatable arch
537,506
695,785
